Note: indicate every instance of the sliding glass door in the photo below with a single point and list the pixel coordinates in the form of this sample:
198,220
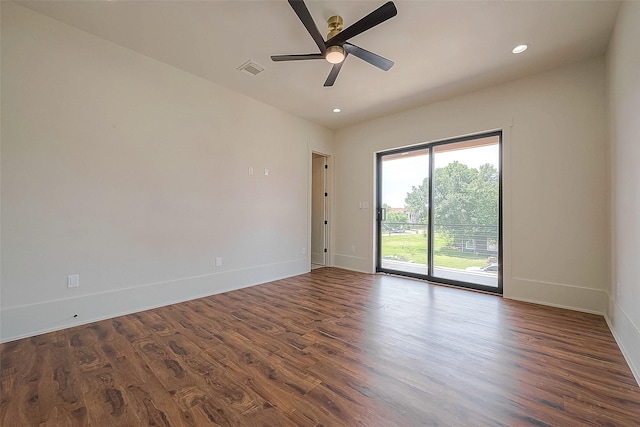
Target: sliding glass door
439,212
403,231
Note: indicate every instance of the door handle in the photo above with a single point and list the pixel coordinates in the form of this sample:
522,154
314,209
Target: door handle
382,214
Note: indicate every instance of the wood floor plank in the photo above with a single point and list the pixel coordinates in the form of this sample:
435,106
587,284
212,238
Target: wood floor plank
327,348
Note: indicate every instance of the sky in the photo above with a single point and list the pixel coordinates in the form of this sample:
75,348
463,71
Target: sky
401,174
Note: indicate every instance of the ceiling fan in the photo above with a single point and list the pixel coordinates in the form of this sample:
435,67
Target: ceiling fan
336,49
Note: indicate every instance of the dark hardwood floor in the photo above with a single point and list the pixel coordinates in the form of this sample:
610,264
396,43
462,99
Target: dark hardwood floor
331,348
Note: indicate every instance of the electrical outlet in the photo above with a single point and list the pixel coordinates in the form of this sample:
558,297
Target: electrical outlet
266,171
73,281
250,170
218,262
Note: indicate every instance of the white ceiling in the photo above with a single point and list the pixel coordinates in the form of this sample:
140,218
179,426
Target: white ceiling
440,48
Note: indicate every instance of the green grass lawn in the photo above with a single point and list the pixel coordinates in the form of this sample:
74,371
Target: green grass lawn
413,247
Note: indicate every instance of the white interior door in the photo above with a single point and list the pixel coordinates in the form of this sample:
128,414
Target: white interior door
318,210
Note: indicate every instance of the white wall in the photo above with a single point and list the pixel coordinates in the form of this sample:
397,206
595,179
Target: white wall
134,175
624,108
556,222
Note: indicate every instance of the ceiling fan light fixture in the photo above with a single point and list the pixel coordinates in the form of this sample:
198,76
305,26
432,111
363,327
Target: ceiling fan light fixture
335,54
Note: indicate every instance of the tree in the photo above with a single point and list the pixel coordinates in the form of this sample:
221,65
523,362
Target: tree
462,196
452,199
417,202
394,221
397,217
394,217
485,193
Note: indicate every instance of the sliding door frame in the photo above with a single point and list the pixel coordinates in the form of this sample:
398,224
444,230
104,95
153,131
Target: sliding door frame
430,234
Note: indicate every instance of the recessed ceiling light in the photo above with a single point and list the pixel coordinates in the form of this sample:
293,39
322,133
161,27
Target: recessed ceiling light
520,48
336,110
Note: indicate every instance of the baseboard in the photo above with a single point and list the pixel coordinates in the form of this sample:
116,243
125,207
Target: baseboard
627,335
353,263
26,321
566,307
578,298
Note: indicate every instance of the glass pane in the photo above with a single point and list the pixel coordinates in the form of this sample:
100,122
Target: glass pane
466,206
405,196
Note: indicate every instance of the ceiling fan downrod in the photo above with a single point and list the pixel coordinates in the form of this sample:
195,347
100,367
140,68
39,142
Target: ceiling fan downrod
335,26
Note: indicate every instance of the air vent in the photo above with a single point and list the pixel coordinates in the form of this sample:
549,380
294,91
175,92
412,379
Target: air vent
251,67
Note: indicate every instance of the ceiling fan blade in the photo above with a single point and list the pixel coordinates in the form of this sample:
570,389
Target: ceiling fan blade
370,57
301,57
333,74
301,10
378,16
